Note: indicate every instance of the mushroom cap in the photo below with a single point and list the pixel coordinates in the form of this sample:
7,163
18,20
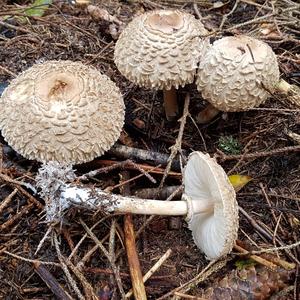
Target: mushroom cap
214,231
61,111
236,73
160,49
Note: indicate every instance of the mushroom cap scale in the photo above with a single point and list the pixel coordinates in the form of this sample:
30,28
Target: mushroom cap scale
214,231
237,73
61,111
160,49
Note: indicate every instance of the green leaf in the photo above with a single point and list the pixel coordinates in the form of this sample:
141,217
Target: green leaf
239,181
229,145
38,8
244,263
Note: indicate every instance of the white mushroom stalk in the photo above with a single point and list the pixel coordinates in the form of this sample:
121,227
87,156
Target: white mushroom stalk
239,73
208,202
97,198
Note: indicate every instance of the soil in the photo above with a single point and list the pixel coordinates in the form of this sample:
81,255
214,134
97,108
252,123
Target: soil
272,198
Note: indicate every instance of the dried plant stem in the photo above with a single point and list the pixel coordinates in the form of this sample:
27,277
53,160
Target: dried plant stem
112,164
32,260
66,270
88,289
224,157
266,234
274,249
17,183
9,72
153,269
7,200
185,296
17,28
256,258
122,165
270,206
164,193
212,267
25,210
155,158
106,253
51,282
224,18
130,180
177,146
43,240
86,235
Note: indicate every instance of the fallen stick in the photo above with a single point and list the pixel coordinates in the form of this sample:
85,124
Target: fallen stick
23,211
153,157
51,282
266,234
154,268
211,268
132,256
112,164
96,270
108,256
176,148
256,258
281,151
7,200
164,193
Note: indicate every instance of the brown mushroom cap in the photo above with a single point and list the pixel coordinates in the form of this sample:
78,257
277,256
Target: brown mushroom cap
61,111
236,73
160,49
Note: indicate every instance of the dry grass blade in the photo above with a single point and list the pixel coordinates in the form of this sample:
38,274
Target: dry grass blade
106,253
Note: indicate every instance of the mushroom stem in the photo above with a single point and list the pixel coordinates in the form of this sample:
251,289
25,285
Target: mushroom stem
207,114
98,199
170,104
291,90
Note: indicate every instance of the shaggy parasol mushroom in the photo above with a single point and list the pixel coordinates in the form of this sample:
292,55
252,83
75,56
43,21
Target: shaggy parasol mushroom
208,202
239,73
62,111
161,49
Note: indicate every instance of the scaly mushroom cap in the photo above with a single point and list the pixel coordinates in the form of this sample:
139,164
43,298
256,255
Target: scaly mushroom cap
160,49
216,230
236,73
62,111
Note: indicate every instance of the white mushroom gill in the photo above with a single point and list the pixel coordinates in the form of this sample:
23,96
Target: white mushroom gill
214,230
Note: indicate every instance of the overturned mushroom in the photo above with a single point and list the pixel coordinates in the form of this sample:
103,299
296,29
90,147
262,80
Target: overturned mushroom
62,111
208,202
161,49
239,73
